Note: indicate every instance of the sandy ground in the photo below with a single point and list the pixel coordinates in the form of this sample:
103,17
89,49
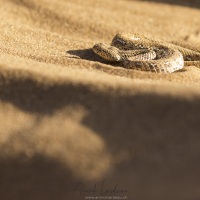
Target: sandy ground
68,124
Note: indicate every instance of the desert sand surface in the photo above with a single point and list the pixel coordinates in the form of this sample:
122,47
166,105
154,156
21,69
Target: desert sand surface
71,123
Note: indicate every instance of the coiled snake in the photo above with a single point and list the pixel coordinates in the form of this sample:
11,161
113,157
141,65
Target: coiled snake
142,53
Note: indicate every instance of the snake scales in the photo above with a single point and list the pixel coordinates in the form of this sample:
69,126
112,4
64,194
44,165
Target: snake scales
146,54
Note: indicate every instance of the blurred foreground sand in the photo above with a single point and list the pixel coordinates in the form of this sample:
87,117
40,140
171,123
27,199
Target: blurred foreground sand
65,120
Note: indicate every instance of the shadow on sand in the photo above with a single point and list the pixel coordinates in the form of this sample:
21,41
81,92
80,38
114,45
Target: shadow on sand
86,54
191,3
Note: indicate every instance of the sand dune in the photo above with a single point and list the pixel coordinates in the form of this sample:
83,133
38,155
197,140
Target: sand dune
68,117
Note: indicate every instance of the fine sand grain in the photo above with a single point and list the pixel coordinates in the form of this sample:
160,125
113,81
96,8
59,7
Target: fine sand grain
68,117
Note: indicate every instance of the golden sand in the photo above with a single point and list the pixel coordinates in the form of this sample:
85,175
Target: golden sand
66,120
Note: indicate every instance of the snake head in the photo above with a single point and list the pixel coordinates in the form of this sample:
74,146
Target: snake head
107,52
127,41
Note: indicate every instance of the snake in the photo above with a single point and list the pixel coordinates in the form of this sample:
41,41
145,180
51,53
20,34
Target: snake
138,52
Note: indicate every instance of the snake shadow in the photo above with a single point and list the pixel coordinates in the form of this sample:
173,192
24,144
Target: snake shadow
191,3
88,54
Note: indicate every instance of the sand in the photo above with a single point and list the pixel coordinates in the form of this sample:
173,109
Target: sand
70,121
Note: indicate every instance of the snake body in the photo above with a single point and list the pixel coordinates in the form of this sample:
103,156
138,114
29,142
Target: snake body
146,54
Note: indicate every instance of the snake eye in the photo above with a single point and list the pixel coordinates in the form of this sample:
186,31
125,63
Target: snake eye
121,41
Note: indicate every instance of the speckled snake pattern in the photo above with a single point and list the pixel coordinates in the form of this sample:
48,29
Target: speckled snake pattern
146,54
